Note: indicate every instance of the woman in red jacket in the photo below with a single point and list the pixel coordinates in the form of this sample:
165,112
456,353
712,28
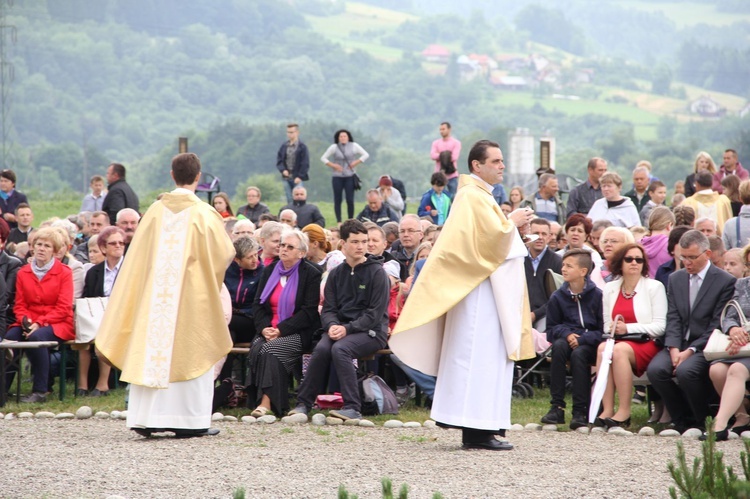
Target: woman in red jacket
44,306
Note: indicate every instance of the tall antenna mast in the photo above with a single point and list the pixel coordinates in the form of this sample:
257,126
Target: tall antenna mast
8,37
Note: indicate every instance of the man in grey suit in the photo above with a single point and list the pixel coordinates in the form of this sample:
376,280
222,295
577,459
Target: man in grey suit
696,296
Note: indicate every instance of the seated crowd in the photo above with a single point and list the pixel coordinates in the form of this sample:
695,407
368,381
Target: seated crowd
656,277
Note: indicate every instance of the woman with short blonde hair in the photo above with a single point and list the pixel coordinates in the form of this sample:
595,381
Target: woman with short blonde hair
43,307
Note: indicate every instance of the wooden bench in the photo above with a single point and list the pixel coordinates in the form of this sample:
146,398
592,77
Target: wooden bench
5,346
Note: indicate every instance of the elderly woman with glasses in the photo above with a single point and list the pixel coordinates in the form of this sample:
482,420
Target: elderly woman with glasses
286,316
612,239
99,281
43,307
633,304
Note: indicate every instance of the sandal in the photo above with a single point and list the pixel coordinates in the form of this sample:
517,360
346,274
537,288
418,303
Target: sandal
259,412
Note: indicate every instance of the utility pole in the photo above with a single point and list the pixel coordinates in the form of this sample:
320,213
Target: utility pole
8,37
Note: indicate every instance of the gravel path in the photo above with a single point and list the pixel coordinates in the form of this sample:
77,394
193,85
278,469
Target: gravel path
101,458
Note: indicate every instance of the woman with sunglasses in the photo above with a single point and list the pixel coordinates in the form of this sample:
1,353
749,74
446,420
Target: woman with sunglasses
633,303
99,281
286,316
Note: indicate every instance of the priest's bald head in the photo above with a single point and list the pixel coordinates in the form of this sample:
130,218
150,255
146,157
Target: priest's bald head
186,170
486,161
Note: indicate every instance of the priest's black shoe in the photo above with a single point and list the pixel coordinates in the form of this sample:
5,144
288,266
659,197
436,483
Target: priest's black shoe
182,433
144,432
490,443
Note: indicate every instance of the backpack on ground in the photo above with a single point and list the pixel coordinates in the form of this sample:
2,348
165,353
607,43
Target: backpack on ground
377,397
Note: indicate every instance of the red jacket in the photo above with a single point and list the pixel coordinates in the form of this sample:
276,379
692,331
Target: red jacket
48,302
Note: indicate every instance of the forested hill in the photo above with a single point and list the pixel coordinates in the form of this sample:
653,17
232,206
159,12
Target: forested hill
122,79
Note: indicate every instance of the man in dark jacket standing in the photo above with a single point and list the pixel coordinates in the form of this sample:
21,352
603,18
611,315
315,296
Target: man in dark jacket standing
539,260
354,319
120,194
293,161
574,327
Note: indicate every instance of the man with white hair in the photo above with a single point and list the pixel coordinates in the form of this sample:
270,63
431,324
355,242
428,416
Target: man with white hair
707,226
639,193
243,228
288,217
127,220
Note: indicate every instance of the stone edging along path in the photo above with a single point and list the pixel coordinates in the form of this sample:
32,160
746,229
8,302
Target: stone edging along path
86,412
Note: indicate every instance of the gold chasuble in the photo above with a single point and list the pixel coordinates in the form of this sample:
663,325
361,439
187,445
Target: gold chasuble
474,243
164,321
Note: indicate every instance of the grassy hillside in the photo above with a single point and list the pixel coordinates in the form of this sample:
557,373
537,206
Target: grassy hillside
350,28
685,14
640,107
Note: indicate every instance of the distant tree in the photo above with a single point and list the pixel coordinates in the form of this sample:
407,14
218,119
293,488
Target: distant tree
269,185
551,27
661,80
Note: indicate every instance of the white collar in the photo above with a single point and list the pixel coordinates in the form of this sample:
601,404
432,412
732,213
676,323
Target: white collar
475,176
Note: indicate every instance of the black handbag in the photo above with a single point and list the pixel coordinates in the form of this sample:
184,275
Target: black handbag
357,182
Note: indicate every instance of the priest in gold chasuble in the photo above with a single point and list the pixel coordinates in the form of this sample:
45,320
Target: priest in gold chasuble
164,327
468,318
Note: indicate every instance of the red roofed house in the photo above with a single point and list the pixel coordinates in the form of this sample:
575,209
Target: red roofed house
436,53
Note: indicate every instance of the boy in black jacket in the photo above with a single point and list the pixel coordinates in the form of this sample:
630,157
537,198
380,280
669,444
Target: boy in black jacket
354,319
574,327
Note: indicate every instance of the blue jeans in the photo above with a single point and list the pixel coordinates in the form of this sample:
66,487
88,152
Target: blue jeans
289,186
425,382
452,186
39,357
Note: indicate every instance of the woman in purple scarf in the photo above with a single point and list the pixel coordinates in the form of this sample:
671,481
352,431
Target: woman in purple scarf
286,316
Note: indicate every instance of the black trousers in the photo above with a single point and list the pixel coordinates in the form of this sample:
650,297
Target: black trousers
581,359
688,401
340,185
341,353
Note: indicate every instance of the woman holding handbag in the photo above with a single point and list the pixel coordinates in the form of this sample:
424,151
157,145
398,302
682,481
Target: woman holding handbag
729,376
635,310
343,157
43,307
99,281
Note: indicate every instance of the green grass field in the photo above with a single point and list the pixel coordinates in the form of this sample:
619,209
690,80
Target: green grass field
643,108
44,210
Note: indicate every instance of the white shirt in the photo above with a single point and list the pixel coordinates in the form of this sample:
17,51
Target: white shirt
110,276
